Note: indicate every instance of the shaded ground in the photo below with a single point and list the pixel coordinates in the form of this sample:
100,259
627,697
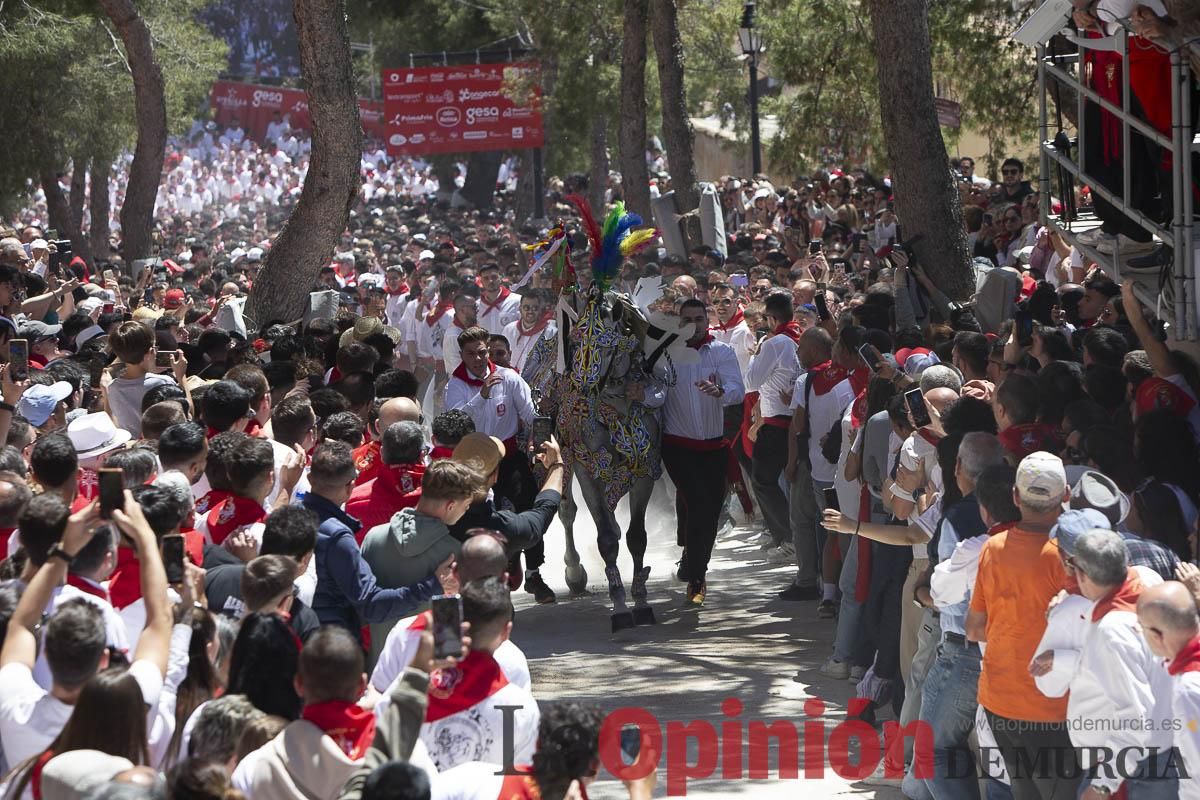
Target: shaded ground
743,644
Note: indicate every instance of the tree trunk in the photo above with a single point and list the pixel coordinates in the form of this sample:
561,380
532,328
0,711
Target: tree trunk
598,175
78,189
926,197
150,108
98,205
58,207
631,133
483,168
311,233
677,125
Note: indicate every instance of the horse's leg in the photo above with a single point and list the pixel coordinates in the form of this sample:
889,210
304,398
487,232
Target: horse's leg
635,539
576,575
608,542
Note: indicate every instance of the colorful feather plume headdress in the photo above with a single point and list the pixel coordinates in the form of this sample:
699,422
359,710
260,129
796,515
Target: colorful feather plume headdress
554,248
613,242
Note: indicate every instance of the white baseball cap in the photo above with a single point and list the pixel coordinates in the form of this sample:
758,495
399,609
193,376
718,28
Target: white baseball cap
1041,475
425,254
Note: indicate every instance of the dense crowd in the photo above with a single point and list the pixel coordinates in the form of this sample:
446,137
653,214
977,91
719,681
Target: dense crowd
222,536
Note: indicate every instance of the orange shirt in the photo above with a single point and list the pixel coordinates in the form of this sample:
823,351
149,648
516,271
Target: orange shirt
1019,571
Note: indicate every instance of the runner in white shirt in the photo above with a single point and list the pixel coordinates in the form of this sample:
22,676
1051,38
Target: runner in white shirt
498,306
397,301
497,399
527,331
732,328
465,316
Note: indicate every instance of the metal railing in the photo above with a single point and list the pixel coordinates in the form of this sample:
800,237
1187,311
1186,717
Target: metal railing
1184,303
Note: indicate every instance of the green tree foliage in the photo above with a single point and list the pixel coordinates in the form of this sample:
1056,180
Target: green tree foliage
821,50
68,87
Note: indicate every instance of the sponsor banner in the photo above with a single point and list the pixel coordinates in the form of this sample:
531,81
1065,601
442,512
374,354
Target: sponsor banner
253,105
462,108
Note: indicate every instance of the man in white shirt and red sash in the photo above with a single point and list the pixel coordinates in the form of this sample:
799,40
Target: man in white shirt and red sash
694,449
498,401
731,329
527,331
464,721
498,306
772,371
397,299
465,316
1168,619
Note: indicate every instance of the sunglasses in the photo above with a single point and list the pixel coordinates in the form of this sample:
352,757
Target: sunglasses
727,301
1010,172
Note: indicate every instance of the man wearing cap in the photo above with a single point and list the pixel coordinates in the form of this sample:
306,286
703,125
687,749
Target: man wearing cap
498,306
1019,572
1115,677
42,405
1168,619
174,302
43,342
522,531
1096,491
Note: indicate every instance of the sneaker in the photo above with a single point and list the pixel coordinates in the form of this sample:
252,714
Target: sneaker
796,593
1125,245
784,553
835,669
1093,237
764,540
827,610
695,593
537,587
857,673
1152,262
880,777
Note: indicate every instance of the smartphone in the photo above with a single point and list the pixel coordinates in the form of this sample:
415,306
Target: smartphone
110,308
987,219
814,247
831,498
108,275
738,280
164,358
1023,328
846,266
916,407
18,359
822,306
870,354
172,556
631,743
112,490
542,430
447,625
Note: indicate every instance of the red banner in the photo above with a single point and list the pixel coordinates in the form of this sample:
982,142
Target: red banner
462,108
253,106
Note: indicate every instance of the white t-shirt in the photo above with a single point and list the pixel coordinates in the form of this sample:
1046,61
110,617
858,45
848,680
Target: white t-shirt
401,648
477,732
823,411
30,718
115,629
476,780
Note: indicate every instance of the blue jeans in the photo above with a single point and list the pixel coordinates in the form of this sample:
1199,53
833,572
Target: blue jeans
1155,778
850,610
948,703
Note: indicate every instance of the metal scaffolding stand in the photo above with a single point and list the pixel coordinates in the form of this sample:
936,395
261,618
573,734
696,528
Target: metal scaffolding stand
1173,295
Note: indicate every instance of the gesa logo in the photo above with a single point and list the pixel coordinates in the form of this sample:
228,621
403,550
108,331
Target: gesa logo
262,97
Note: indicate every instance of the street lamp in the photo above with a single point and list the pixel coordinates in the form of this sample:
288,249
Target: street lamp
751,41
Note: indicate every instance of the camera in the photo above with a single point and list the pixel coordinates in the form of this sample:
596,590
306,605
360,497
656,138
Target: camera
61,256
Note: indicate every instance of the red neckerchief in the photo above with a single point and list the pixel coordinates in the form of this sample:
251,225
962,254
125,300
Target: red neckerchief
537,328
734,321
463,374
253,428
708,339
88,483
125,584
437,312
1187,659
233,513
454,689
504,294
1021,440
35,774
1000,527
1122,598
439,452
790,329
211,500
404,479
193,544
367,461
825,376
210,432
350,726
87,587
402,290
929,436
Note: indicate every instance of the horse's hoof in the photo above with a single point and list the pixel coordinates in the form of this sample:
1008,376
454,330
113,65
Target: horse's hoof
577,579
643,615
582,591
622,620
